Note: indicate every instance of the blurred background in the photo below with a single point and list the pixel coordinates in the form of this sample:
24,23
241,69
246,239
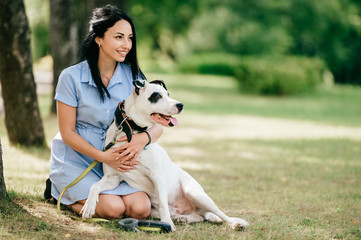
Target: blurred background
241,38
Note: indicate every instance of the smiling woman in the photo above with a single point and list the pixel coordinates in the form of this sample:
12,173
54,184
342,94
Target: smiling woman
87,95
113,47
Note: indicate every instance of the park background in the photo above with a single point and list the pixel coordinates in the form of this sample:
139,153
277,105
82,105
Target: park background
272,121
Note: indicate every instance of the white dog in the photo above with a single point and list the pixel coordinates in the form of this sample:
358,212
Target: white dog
174,194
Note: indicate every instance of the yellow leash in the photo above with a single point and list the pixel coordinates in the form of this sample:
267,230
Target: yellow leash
83,174
86,171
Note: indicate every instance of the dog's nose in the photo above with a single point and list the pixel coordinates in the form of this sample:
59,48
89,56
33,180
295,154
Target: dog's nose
179,106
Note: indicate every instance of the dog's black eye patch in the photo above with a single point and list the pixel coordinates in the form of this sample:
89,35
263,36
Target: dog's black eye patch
155,97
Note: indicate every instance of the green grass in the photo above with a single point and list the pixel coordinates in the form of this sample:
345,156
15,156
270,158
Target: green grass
297,187
337,105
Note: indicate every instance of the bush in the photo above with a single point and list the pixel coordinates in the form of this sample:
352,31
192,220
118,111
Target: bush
210,63
279,76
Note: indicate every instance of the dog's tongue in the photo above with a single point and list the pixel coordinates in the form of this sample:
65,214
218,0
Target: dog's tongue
167,121
173,121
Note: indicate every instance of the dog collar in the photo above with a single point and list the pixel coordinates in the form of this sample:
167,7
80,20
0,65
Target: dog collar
124,123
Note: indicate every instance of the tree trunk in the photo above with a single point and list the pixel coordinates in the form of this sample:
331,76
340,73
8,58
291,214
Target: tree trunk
63,38
3,192
22,116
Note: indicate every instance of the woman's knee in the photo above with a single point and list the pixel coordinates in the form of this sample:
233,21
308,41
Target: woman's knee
110,206
137,205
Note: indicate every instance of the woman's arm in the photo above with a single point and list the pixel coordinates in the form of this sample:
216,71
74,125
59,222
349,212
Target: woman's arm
66,120
155,132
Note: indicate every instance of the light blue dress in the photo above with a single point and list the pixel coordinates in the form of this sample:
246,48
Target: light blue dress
77,88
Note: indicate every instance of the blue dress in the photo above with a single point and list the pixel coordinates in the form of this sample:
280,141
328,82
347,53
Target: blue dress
77,88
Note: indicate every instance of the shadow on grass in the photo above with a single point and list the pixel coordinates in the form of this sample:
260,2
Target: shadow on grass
16,221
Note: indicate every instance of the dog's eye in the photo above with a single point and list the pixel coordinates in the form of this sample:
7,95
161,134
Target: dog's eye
155,97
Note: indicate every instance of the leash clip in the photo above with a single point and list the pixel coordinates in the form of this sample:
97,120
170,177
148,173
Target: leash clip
120,127
134,225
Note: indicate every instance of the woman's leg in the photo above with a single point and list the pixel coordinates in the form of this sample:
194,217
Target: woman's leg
108,206
136,205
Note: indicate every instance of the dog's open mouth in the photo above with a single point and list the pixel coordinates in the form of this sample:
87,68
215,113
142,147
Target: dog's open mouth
165,120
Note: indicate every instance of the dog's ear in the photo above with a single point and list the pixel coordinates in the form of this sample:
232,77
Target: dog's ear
159,82
139,84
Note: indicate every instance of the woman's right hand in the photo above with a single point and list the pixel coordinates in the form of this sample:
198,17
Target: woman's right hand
113,160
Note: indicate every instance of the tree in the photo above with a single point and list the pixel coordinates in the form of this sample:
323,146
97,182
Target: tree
22,116
3,192
63,38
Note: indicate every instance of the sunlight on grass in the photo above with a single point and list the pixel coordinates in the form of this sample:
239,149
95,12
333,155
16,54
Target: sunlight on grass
25,172
205,94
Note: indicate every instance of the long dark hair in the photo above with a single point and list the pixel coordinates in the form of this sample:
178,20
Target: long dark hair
102,19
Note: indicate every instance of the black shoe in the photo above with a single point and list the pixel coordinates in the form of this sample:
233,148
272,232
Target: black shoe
47,192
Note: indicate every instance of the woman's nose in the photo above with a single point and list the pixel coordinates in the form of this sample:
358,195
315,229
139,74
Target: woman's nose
127,43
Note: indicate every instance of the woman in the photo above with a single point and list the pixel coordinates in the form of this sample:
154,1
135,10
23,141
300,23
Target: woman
87,96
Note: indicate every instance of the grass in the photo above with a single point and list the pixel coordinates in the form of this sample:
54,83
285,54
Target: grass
300,186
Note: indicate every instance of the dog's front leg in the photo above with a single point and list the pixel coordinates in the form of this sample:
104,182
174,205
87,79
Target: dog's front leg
160,185
106,183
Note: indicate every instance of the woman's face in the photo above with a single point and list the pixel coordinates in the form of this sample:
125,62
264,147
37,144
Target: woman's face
116,42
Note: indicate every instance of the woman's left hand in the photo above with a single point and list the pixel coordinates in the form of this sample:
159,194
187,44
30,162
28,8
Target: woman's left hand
130,151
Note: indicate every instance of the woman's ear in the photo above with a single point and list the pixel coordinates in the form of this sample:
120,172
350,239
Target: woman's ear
98,40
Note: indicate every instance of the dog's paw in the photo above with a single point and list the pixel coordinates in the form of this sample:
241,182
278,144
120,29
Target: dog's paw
238,224
181,219
172,227
170,222
87,211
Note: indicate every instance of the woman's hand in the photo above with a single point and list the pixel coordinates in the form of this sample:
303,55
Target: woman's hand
112,158
129,151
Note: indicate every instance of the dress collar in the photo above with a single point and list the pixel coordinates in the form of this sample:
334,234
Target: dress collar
115,79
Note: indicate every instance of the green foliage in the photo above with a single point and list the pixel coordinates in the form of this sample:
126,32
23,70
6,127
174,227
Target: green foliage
172,30
259,74
40,40
209,63
223,28
329,29
37,12
163,23
279,76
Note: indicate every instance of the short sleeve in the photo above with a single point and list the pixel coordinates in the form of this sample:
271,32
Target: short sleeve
66,89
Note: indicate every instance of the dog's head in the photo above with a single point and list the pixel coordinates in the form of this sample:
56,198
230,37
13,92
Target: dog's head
150,103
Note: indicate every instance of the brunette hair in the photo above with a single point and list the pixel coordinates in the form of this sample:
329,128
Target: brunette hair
104,18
